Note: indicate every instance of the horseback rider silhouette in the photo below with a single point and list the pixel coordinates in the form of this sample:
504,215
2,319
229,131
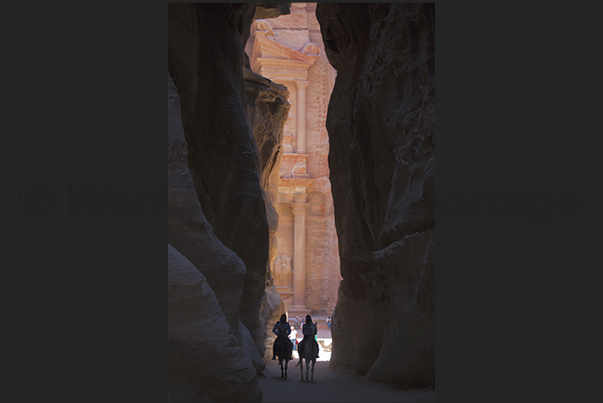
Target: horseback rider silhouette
309,331
282,329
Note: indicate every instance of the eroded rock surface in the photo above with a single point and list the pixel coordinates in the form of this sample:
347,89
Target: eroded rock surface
267,110
203,325
206,59
381,123
205,360
188,229
218,231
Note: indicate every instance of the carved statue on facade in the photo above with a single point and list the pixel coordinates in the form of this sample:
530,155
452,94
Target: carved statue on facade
277,265
282,267
286,264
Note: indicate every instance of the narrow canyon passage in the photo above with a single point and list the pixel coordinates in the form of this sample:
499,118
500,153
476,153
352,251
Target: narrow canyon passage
331,386
301,180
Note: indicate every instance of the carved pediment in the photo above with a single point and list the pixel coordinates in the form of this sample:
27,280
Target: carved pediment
268,48
270,54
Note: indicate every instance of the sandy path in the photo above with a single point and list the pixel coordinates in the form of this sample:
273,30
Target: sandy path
330,386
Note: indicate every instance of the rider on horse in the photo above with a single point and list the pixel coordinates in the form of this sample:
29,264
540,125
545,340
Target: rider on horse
309,331
282,329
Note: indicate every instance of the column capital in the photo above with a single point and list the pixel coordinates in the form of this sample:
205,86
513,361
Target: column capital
302,83
299,208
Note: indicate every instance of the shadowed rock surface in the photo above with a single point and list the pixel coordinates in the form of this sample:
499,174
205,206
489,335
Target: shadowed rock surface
218,230
203,325
205,360
381,123
205,60
271,10
188,229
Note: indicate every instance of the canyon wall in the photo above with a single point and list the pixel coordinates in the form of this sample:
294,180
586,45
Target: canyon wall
219,226
225,130
381,124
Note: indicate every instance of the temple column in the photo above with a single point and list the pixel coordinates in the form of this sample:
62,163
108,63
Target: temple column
301,115
299,256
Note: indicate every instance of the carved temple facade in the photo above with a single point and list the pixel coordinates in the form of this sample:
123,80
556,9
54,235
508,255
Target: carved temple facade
289,50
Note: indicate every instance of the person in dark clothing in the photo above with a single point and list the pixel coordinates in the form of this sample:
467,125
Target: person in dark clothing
282,329
309,331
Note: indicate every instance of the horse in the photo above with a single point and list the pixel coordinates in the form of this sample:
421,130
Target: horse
310,352
283,347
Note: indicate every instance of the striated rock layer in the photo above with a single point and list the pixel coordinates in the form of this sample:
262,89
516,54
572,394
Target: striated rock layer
381,124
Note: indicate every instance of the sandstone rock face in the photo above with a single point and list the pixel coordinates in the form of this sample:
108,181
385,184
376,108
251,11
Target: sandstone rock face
188,229
218,227
205,60
203,326
205,360
381,123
